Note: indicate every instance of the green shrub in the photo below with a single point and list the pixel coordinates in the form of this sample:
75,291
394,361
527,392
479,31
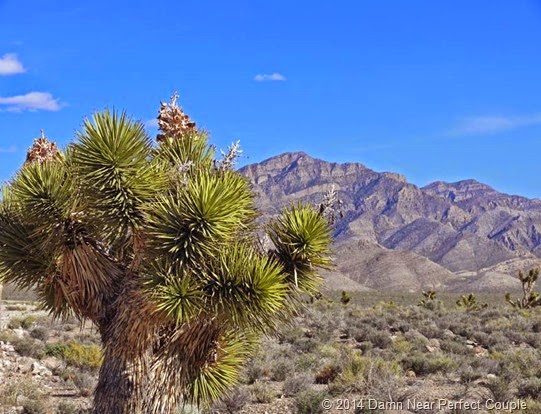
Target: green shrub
298,383
261,392
530,387
28,347
75,354
423,364
66,408
34,407
24,386
309,402
24,322
281,369
40,332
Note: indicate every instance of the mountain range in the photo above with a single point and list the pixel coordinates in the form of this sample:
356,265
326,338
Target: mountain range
463,236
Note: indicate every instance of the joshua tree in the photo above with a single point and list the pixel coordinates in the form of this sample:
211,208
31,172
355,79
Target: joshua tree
469,303
345,298
530,297
157,246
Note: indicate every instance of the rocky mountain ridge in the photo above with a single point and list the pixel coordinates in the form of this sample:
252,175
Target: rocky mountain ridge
467,230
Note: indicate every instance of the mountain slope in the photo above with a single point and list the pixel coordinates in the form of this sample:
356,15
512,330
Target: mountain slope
465,227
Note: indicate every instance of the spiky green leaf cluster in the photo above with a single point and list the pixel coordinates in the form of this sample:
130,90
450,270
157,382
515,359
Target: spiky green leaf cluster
301,238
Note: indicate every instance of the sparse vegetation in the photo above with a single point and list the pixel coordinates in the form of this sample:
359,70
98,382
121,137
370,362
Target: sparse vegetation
379,351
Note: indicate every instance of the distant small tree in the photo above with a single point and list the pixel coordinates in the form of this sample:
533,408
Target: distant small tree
346,298
429,301
428,296
530,297
469,303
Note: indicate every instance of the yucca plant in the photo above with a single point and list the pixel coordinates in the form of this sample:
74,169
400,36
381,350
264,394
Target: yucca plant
469,303
530,297
156,245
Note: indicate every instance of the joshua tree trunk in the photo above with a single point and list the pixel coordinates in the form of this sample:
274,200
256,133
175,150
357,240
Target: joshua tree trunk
118,389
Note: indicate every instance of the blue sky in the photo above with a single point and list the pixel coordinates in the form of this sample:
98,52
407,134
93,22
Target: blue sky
430,89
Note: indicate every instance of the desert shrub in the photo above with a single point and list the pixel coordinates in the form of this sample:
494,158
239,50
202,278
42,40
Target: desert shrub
307,362
453,346
85,383
252,371
496,339
380,339
83,356
401,326
28,347
261,392
40,332
24,322
499,388
298,383
468,375
280,369
56,349
305,345
290,334
66,408
430,330
34,407
529,387
533,339
520,363
368,376
233,402
25,387
402,345
75,354
485,365
424,364
68,374
7,336
462,329
327,373
365,346
309,402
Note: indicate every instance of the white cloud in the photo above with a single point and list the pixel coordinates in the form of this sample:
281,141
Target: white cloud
8,150
494,124
151,123
10,65
32,101
269,77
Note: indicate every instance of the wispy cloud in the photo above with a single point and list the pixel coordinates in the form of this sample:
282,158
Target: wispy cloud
32,101
494,124
8,150
151,123
262,77
10,65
